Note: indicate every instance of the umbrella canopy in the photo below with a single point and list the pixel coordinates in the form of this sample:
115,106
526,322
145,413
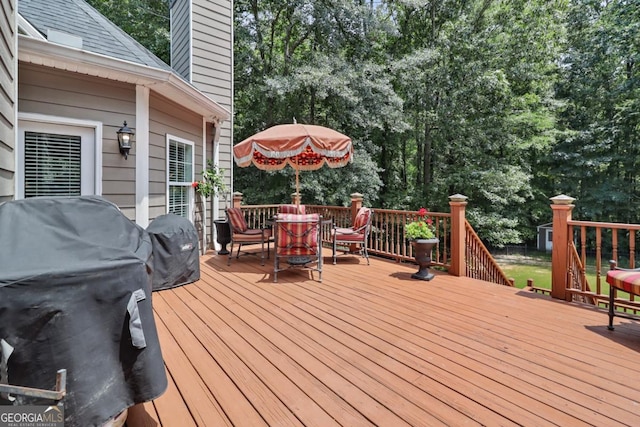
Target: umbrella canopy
303,147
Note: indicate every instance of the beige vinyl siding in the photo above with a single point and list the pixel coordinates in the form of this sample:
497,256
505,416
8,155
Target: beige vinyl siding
56,93
212,68
167,117
7,99
212,49
181,38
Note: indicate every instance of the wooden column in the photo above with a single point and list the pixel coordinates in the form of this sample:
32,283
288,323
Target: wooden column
562,207
356,204
458,204
237,199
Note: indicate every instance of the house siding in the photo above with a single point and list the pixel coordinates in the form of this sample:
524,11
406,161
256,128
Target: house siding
181,38
56,93
167,117
212,69
8,87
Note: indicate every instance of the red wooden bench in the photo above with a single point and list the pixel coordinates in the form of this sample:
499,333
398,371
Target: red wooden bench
625,279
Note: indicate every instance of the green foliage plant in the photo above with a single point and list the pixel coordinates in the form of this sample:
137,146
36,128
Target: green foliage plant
212,182
422,228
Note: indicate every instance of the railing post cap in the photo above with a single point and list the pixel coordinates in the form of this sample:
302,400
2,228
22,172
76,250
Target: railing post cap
562,199
237,193
458,198
357,196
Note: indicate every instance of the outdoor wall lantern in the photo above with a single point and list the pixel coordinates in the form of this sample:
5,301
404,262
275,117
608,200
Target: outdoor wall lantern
124,139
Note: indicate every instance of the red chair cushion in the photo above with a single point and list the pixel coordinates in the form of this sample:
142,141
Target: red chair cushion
236,218
252,236
291,209
362,218
626,280
349,237
297,238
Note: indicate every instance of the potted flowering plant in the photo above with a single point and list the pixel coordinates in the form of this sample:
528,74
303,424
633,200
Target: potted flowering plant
422,235
422,228
212,183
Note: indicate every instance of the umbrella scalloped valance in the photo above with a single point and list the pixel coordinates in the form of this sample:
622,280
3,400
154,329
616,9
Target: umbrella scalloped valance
303,147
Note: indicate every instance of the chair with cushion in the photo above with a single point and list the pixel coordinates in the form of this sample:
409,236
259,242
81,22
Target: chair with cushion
293,209
624,279
297,243
357,235
241,234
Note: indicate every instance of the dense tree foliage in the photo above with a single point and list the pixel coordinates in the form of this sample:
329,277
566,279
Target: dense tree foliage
443,97
508,102
597,158
147,21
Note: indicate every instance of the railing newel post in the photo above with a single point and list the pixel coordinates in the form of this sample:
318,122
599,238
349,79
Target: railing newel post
562,207
458,204
237,199
356,204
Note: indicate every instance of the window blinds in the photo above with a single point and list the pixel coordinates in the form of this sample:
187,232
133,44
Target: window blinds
52,164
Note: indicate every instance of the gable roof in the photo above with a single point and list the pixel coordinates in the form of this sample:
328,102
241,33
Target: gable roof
105,51
98,34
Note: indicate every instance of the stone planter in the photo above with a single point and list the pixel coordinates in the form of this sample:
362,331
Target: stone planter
422,253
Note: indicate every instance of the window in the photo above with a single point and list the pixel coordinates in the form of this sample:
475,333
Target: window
180,170
51,164
57,157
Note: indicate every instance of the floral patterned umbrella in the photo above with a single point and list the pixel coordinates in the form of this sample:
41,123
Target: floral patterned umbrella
303,147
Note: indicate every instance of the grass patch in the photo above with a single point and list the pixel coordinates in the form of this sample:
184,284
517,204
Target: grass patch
535,266
540,274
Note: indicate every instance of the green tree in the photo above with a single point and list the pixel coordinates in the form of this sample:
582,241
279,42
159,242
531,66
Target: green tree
147,21
303,61
477,81
598,157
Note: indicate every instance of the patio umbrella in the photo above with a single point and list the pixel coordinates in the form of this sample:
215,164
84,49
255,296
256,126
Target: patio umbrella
303,147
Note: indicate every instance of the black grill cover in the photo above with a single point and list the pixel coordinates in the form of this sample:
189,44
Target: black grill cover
176,260
71,272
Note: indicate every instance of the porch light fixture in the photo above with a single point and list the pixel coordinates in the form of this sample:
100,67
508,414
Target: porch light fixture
124,139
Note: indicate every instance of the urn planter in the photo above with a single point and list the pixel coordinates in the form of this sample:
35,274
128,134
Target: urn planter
422,253
223,235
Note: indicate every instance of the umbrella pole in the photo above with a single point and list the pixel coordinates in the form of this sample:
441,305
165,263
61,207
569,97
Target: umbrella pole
297,191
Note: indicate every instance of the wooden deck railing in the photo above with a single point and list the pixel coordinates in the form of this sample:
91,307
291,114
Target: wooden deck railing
588,250
388,239
582,250
480,263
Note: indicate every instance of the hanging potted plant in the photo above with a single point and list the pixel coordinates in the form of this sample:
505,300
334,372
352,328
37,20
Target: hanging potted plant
422,235
212,183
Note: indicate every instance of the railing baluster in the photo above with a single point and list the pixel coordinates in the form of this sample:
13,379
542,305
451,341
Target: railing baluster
598,260
583,257
632,248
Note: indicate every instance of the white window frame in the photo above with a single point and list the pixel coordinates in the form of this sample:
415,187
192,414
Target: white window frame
43,120
189,184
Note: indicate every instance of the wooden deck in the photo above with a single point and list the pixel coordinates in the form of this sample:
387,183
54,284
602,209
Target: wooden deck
370,346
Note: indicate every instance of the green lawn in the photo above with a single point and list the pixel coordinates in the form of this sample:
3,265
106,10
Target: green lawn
538,268
541,274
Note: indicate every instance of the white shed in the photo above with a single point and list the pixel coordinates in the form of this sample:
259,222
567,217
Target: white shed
545,237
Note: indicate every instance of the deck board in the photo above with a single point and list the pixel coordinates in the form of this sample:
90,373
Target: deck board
370,346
